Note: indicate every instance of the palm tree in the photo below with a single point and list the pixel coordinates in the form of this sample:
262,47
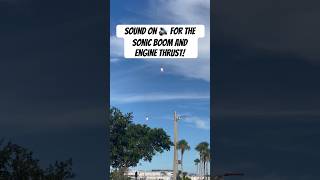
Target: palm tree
196,162
202,148
206,159
183,146
184,174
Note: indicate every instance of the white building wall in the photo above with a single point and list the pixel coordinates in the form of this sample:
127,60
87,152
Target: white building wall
156,175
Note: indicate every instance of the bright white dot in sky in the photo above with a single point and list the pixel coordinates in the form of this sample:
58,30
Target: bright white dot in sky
161,69
147,118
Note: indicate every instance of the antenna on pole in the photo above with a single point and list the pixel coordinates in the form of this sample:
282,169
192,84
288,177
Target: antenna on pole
176,118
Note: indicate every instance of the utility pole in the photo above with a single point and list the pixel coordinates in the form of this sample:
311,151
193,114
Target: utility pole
175,155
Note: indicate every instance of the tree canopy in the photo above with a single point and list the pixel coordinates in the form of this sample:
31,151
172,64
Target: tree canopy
17,162
183,145
204,151
131,142
196,161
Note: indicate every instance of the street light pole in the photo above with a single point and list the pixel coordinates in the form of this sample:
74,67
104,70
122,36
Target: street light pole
175,155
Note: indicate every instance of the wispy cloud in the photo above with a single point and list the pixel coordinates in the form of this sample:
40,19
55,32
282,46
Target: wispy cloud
192,12
191,120
153,97
116,49
198,122
188,12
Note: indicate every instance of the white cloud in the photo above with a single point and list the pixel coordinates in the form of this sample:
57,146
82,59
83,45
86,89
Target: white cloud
182,11
193,121
188,12
179,12
198,122
116,48
153,97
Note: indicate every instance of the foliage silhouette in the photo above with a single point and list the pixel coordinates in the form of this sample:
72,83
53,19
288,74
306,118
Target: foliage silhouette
18,163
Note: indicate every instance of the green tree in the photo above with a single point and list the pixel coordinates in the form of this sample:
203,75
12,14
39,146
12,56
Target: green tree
17,162
196,162
206,159
184,174
203,149
131,142
187,178
60,170
182,146
179,175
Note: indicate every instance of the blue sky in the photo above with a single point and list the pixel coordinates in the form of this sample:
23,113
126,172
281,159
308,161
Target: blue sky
140,87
